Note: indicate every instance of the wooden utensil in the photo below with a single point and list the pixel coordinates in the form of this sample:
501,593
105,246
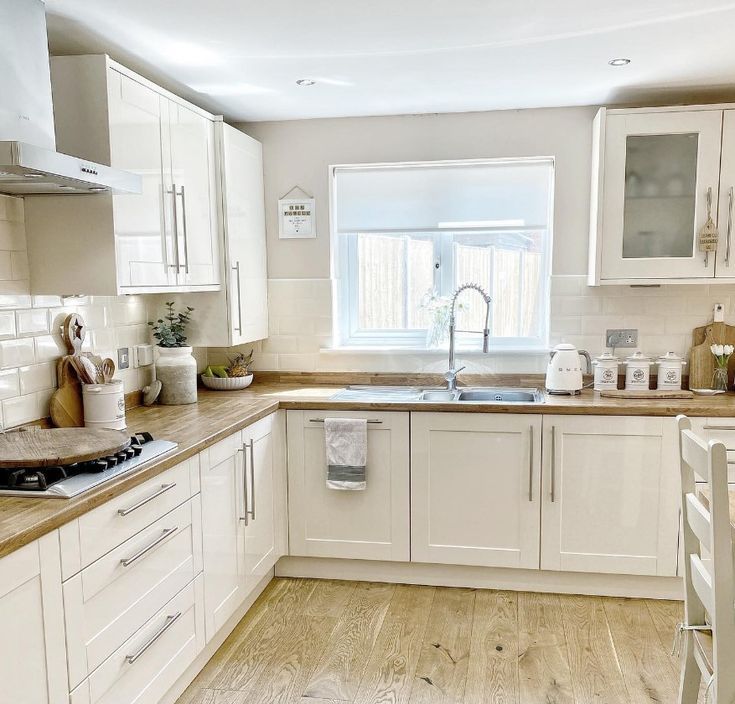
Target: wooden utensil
73,332
59,446
108,370
65,406
701,359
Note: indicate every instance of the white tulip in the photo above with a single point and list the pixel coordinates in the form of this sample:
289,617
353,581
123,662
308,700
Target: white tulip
729,349
713,349
717,350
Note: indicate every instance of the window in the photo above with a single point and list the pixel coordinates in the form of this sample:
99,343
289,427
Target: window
407,235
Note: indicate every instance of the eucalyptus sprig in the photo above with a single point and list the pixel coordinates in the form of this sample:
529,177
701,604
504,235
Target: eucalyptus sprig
170,330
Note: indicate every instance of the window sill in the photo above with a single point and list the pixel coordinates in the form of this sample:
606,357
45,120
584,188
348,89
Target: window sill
497,352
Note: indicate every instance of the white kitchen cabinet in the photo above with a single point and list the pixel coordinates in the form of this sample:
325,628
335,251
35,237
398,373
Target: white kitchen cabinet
372,524
266,510
33,647
164,239
475,489
610,495
224,512
652,171
237,314
726,210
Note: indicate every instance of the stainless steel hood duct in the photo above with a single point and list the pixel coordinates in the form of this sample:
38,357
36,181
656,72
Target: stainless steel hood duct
29,162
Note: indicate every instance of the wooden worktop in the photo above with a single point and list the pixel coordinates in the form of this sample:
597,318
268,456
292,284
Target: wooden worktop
219,414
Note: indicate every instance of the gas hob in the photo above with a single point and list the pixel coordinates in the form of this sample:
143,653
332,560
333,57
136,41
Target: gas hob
66,481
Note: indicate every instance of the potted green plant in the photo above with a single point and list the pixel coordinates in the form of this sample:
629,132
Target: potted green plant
176,367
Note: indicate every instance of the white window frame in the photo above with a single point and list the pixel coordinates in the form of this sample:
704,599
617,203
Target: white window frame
345,292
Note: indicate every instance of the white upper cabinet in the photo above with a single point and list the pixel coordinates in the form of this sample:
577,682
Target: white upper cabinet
163,239
726,250
654,171
238,313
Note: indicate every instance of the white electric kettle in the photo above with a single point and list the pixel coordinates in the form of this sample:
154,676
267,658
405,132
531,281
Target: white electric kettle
564,371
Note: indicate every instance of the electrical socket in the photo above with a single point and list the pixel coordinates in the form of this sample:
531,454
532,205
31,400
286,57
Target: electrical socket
622,338
123,358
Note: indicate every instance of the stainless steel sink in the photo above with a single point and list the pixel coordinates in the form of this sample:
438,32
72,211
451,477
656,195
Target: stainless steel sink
412,394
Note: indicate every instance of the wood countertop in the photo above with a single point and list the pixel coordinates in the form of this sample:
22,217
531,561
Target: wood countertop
219,414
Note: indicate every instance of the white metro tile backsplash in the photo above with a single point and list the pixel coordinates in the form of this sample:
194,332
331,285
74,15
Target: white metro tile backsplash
30,339
300,321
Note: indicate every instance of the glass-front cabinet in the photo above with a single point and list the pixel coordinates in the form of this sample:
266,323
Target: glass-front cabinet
656,179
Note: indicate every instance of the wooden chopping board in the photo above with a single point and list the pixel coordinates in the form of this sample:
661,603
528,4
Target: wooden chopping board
701,360
65,407
46,448
646,394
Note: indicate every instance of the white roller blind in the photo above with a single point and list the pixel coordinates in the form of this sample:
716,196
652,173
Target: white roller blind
441,196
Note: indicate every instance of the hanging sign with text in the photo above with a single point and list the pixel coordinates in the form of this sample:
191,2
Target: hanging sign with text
296,218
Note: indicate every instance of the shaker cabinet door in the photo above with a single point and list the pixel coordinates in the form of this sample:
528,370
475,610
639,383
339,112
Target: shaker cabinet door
658,170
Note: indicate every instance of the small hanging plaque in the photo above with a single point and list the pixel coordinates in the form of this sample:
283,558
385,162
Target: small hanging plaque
296,218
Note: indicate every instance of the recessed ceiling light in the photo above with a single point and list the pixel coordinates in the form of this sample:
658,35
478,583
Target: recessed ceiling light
305,82
619,62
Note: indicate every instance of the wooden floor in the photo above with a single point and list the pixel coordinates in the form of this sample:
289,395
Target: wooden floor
324,642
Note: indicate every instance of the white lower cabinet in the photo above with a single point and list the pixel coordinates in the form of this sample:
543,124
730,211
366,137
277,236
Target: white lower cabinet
32,646
475,489
243,509
610,495
150,662
372,524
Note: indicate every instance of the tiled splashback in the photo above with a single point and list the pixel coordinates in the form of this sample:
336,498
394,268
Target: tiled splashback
30,342
301,321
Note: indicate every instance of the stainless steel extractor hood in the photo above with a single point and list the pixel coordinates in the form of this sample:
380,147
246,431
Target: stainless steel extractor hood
29,162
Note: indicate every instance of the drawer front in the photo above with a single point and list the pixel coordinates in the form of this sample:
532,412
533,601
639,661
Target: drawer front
121,518
109,600
723,430
148,664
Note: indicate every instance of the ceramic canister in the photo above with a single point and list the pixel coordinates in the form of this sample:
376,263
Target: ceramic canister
637,372
606,371
670,368
104,405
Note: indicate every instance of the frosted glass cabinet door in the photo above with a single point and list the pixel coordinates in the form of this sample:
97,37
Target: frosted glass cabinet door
658,169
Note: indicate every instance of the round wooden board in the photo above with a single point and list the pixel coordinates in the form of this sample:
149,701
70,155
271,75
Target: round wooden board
58,446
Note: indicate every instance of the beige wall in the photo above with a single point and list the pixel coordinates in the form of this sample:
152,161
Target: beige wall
299,153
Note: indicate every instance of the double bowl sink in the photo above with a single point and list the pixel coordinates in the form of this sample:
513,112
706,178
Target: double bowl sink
412,394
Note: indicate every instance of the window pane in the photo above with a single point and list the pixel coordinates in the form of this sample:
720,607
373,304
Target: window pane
394,274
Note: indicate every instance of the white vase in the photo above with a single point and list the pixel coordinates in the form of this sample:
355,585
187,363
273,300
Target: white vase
176,369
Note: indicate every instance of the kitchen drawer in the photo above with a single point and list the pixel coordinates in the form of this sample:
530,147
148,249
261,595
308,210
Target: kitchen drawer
108,601
104,528
722,429
165,646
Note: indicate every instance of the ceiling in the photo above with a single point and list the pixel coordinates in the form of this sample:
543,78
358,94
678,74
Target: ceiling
242,58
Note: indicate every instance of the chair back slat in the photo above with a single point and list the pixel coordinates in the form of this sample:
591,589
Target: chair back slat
698,518
709,579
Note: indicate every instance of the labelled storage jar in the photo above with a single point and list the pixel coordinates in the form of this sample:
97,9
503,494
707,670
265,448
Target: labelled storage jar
637,372
606,372
104,405
670,367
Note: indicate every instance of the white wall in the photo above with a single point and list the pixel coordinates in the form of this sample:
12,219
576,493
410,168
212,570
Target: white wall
300,152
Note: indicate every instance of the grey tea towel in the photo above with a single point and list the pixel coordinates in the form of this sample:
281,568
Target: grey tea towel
346,440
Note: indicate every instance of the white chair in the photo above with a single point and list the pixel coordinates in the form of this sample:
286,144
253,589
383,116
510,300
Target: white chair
708,630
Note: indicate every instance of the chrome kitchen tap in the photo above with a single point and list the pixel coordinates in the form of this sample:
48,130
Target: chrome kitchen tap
451,375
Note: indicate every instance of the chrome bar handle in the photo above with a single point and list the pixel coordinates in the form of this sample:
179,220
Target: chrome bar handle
244,518
252,478
372,421
236,269
164,488
134,558
553,464
170,621
718,427
186,232
530,463
175,236
244,513
729,226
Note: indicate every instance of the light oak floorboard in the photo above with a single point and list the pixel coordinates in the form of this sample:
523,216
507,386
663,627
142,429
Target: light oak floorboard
647,671
596,674
492,672
389,673
544,671
345,655
333,642
441,673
